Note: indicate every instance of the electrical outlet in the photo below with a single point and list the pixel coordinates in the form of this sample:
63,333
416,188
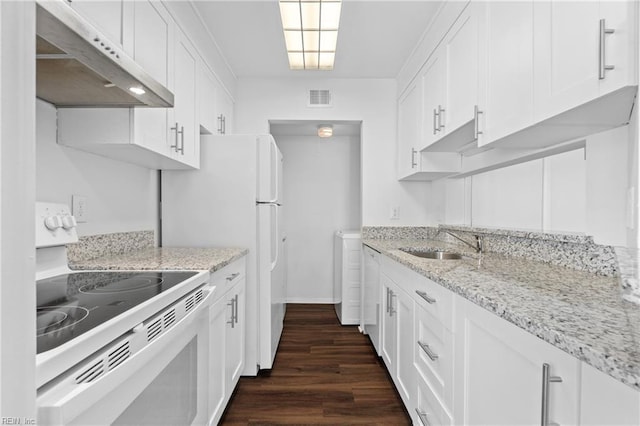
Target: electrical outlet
79,208
394,213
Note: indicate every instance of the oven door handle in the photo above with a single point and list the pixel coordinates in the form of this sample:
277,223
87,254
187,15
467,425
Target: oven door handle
67,402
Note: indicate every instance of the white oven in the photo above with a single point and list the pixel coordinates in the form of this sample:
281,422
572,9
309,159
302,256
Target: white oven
117,347
137,381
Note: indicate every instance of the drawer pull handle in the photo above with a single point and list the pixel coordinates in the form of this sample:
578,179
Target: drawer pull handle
423,417
426,297
427,350
546,380
233,276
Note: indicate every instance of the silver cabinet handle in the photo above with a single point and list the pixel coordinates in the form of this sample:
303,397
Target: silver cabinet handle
233,276
426,297
427,350
387,304
391,310
181,140
476,118
233,313
413,158
435,121
423,417
440,118
220,124
546,380
602,54
175,145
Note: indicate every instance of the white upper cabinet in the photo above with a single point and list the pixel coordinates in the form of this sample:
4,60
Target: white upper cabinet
157,138
409,131
153,35
462,56
582,51
106,16
184,125
433,80
507,95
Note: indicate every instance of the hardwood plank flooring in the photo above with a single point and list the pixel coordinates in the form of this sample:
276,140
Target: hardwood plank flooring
324,373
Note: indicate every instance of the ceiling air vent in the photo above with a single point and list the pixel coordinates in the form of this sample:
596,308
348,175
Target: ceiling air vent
319,98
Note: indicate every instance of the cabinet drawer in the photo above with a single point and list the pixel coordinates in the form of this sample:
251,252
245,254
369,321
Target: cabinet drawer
428,410
433,355
435,299
225,278
368,251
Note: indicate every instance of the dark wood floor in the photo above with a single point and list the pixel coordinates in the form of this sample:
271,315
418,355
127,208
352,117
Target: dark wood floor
324,373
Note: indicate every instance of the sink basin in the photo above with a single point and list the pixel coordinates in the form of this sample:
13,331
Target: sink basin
433,254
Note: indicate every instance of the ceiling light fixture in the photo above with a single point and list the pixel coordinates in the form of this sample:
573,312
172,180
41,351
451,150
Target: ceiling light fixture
325,130
310,32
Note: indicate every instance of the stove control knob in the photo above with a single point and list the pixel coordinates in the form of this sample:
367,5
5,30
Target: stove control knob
68,222
53,222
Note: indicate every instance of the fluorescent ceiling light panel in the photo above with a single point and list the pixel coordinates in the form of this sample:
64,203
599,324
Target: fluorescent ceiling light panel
310,32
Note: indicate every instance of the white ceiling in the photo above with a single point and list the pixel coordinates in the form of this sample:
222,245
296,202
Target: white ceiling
374,40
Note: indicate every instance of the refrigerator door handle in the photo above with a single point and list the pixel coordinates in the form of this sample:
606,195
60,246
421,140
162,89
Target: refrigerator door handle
275,166
275,238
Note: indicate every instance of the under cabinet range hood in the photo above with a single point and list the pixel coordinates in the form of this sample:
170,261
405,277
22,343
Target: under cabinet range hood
77,66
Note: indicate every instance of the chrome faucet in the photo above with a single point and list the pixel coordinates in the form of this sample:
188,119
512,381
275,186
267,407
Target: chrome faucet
478,247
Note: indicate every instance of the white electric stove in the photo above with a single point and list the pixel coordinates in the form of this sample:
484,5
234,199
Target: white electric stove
99,331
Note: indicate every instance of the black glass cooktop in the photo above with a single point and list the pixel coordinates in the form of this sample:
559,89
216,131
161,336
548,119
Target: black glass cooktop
72,304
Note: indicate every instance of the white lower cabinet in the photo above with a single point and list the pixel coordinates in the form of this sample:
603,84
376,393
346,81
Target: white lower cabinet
455,363
226,338
506,376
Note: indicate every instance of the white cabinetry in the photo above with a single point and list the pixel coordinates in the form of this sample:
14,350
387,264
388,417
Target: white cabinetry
433,82
506,376
507,95
107,16
371,309
413,164
184,124
606,401
397,336
157,138
227,332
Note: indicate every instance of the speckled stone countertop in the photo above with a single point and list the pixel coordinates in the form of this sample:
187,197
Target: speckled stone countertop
579,312
177,258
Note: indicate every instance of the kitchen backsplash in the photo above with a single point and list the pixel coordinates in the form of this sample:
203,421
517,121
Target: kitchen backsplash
94,246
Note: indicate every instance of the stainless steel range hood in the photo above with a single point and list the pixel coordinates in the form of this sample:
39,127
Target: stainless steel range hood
78,66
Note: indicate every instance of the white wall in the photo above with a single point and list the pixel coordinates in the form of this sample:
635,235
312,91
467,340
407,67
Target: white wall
321,196
581,191
372,101
121,197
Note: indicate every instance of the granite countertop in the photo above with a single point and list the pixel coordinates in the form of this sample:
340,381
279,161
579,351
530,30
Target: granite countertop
579,312
177,258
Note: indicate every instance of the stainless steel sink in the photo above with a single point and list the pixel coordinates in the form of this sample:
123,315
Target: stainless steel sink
433,254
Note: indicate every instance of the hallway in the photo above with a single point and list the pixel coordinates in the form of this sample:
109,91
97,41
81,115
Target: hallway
324,373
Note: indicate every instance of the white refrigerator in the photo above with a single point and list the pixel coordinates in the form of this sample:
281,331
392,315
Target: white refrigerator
235,200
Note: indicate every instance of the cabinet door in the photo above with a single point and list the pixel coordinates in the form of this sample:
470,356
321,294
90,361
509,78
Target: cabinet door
106,16
409,124
371,297
620,47
434,110
208,96
153,40
406,372
224,111
462,56
217,330
566,55
234,343
185,103
388,324
499,373
508,74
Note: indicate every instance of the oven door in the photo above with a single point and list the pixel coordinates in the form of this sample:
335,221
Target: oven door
164,383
